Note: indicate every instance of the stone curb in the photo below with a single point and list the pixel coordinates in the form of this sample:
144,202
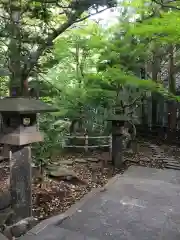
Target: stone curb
57,220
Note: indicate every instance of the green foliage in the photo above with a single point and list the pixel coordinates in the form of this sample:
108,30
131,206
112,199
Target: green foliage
54,131
3,86
161,29
91,70
28,30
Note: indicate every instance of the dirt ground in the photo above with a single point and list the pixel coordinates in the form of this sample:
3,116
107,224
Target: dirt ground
54,195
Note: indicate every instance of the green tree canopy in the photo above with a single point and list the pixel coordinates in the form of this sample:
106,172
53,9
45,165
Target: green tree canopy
28,29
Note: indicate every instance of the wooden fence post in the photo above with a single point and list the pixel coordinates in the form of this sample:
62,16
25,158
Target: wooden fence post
110,146
86,138
86,143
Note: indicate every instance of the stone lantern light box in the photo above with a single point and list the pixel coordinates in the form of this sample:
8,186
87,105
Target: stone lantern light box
19,120
118,121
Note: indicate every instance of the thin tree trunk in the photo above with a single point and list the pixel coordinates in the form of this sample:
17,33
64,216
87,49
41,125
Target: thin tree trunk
143,99
77,56
79,78
172,89
155,70
18,85
14,53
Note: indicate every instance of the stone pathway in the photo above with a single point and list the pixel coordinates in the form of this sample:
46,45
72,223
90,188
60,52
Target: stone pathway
141,204
168,160
152,155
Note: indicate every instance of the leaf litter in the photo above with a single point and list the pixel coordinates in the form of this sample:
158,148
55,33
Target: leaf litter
55,195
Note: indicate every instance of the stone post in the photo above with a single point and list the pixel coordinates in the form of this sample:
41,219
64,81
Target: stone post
20,181
117,143
117,151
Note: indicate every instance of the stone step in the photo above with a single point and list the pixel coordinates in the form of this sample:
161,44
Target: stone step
172,167
173,163
170,161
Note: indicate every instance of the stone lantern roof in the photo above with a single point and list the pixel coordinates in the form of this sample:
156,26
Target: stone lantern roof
25,105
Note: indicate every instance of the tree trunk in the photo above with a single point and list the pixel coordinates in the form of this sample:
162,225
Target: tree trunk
18,84
172,89
143,99
155,71
14,53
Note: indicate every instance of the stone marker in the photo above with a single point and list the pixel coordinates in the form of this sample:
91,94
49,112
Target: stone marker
20,180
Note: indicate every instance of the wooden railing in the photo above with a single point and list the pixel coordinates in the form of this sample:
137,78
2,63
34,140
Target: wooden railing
86,145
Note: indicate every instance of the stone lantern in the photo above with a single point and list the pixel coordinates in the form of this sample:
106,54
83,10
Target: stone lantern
18,130
118,120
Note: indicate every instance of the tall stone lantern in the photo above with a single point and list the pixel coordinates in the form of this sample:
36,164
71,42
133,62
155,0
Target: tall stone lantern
118,120
18,130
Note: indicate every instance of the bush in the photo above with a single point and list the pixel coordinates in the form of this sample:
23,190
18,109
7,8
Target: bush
54,138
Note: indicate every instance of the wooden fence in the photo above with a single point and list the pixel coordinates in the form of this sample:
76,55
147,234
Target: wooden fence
86,145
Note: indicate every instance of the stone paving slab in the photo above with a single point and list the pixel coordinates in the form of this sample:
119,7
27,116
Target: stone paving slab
141,204
166,175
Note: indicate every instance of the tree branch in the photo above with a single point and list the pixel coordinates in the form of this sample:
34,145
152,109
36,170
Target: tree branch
46,1
53,86
48,42
82,63
34,56
133,102
166,5
92,14
146,18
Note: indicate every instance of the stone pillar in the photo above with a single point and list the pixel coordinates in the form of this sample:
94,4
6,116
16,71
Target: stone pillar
117,143
117,150
20,181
